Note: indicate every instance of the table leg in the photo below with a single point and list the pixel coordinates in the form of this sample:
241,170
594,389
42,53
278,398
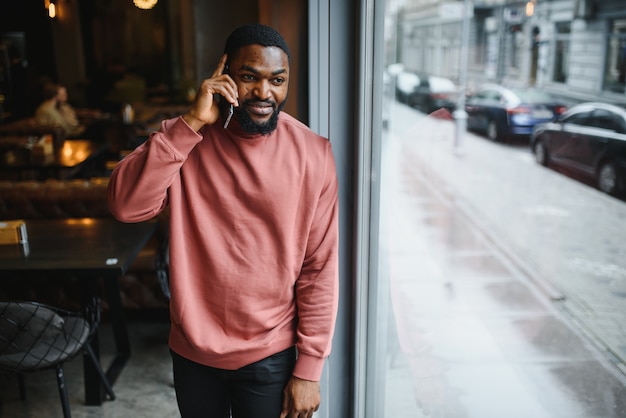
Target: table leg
120,331
94,392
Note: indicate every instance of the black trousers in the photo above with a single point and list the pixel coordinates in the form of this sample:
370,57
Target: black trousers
254,391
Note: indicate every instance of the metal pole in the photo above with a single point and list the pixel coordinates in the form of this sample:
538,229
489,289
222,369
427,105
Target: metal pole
460,115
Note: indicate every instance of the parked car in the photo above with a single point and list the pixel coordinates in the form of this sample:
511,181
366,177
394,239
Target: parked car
590,139
505,113
406,82
426,92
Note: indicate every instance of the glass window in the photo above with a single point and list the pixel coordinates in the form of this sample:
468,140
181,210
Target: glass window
605,120
494,292
534,95
619,123
578,119
561,52
481,95
491,95
515,42
479,53
615,72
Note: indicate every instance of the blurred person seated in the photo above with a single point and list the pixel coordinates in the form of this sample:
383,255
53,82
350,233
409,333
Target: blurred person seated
76,116
66,109
56,111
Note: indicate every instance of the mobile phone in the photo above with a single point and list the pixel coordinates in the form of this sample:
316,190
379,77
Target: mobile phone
230,107
229,116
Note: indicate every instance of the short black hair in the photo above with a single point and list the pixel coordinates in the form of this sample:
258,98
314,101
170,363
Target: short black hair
255,34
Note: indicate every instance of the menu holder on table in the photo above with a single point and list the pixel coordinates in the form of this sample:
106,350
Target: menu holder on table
13,236
13,232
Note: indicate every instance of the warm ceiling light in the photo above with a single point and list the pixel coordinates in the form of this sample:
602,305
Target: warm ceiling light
530,8
52,11
145,4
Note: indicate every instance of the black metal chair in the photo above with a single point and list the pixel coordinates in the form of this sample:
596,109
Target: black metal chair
35,336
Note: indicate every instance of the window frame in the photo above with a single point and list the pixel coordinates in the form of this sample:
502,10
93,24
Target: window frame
561,51
612,59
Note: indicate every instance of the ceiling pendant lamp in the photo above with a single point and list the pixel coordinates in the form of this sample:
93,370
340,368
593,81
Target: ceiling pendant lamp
145,4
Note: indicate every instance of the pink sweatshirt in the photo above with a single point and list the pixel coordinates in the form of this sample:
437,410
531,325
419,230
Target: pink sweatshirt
253,238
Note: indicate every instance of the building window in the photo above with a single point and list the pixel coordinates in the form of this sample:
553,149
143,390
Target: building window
514,40
615,73
561,51
479,44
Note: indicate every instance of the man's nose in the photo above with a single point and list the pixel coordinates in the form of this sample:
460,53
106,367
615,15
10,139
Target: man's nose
262,90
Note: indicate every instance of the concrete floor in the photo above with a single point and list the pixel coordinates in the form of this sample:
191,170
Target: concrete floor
144,389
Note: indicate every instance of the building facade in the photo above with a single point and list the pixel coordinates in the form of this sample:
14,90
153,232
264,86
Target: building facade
575,49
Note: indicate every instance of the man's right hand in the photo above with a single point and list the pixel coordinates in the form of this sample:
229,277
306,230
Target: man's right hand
204,110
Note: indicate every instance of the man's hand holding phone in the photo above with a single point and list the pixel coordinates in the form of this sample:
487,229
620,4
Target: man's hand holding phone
205,110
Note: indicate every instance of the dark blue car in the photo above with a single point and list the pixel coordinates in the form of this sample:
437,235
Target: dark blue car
506,113
589,140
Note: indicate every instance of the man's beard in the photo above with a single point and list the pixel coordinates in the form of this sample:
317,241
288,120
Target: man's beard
247,124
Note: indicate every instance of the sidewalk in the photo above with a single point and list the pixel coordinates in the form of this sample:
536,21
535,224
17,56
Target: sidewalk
496,300
567,236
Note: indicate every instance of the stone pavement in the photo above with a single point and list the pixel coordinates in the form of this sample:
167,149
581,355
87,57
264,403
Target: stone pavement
568,237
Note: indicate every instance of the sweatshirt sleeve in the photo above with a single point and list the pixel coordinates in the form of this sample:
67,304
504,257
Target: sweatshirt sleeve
138,186
317,286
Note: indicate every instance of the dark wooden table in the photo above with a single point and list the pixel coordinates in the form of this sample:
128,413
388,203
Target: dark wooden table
87,248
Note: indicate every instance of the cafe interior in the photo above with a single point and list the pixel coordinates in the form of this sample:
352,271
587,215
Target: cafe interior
434,318
126,65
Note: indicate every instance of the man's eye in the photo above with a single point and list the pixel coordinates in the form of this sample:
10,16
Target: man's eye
279,81
247,77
